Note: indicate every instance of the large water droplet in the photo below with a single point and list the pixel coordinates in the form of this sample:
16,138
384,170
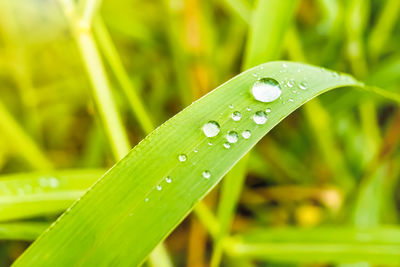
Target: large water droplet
246,134
206,174
232,137
211,128
236,116
182,157
260,117
266,90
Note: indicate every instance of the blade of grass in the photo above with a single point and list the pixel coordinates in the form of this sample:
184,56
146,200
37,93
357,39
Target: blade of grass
333,245
135,192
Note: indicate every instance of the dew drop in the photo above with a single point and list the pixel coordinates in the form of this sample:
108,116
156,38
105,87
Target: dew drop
303,85
182,157
53,182
232,137
211,128
159,187
210,144
290,99
168,179
227,145
248,108
196,150
284,65
266,90
206,174
268,110
236,116
246,134
230,106
147,199
260,117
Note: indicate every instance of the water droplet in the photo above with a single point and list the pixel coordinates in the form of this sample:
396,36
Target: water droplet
266,90
147,199
246,134
232,137
284,65
248,108
211,128
206,174
168,179
260,117
268,110
159,187
290,99
227,145
254,75
236,116
230,106
196,150
303,85
182,157
210,144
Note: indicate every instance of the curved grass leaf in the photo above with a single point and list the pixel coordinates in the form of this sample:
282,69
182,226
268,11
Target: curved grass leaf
133,206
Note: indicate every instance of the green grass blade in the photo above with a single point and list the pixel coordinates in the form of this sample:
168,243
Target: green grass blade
319,245
36,194
27,231
133,206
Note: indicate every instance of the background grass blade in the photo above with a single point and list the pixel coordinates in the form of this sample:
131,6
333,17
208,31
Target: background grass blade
334,245
134,203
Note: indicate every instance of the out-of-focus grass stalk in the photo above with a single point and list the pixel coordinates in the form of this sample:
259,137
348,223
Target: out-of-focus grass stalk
356,23
104,99
242,8
101,86
320,122
20,141
264,42
111,55
381,31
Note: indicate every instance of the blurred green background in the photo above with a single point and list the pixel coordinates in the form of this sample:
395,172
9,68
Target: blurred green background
333,162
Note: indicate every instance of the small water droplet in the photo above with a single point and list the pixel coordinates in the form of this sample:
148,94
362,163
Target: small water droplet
236,116
196,150
260,117
268,110
266,90
230,106
254,75
168,179
246,134
53,182
159,187
182,157
284,65
303,85
248,108
211,128
290,99
227,145
210,144
232,137
206,174
147,199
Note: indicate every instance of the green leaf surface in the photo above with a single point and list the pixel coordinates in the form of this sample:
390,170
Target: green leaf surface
334,245
133,206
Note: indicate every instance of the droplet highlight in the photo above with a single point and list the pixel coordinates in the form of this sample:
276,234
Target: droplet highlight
211,129
182,157
206,174
227,145
266,90
232,137
236,116
246,134
260,117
